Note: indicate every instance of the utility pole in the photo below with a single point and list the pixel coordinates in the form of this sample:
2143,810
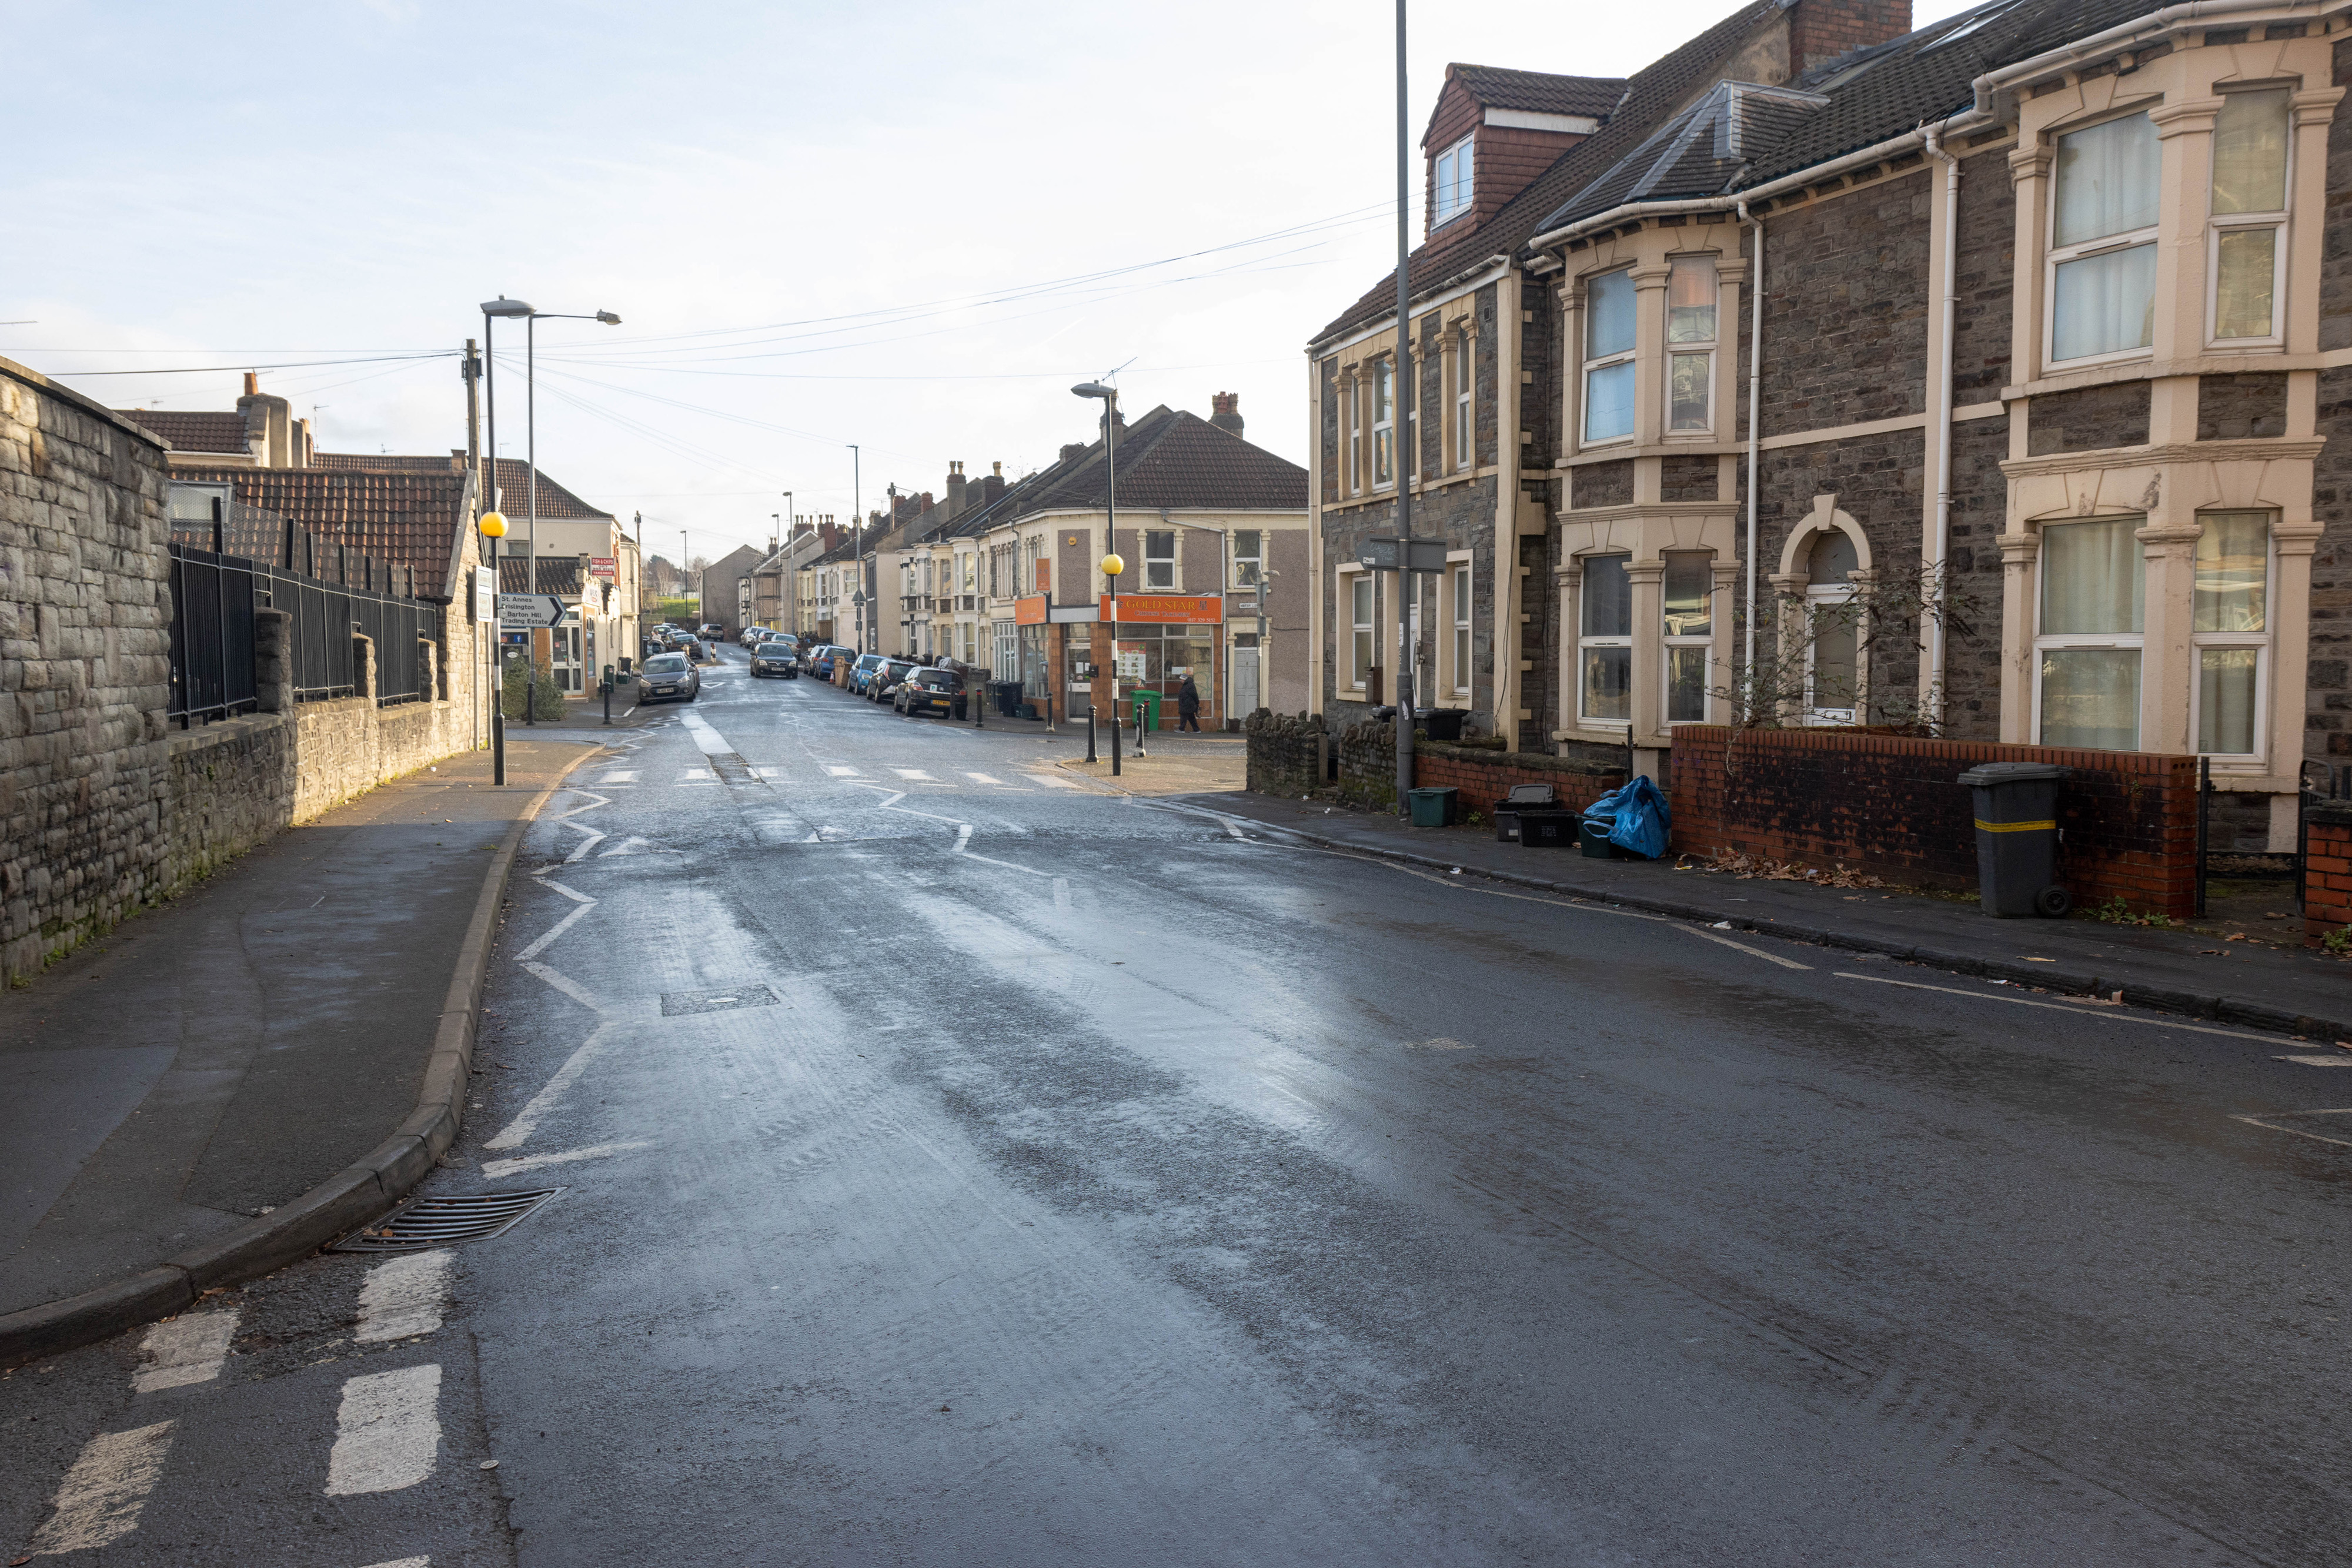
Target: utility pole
1408,445
858,523
473,374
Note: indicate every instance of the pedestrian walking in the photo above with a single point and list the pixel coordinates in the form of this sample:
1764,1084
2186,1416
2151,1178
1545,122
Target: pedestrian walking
1188,707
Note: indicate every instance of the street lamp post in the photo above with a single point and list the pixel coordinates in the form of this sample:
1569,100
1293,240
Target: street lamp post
858,526
1112,566
494,527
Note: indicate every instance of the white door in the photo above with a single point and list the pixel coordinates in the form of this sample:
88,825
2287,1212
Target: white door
1245,693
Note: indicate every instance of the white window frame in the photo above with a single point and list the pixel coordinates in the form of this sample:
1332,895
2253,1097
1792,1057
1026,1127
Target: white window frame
1384,445
1153,563
2279,222
2057,255
2260,642
1696,348
1461,604
1454,182
1586,441
2043,641
1672,641
1254,564
1587,640
1818,597
1363,626
1352,397
1465,394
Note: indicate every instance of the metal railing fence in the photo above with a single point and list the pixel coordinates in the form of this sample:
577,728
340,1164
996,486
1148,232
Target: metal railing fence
212,636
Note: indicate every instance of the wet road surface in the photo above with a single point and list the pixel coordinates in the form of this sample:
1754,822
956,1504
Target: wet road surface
959,1165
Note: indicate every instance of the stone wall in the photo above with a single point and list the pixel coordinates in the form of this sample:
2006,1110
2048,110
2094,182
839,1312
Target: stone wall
232,789
1285,753
85,628
1891,805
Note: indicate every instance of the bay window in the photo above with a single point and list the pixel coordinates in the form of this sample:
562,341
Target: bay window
1691,296
2087,646
2230,628
1689,589
1360,655
1384,423
1159,557
2102,240
1605,643
1609,357
2249,245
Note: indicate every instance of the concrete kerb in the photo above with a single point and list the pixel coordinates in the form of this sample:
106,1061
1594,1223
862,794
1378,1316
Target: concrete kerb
344,1201
2219,1008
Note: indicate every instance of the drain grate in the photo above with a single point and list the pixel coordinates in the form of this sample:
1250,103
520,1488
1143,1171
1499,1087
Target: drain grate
679,1004
445,1221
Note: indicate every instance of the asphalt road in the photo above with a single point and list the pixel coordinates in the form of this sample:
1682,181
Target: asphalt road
964,1167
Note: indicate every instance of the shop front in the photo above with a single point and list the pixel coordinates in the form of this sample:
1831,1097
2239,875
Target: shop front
1158,641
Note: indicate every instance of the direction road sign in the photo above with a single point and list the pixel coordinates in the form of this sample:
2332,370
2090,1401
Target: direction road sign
520,611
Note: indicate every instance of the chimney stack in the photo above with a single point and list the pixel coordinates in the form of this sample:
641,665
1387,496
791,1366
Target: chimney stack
1224,411
955,489
1821,31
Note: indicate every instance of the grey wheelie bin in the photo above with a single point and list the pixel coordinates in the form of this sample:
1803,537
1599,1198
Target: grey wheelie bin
2016,838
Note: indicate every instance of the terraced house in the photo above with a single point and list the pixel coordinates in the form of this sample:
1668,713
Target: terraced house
1989,377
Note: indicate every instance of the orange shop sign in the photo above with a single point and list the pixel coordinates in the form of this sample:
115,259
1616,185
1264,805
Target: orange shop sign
1165,609
1030,611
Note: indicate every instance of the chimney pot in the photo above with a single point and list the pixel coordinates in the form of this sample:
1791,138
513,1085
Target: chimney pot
252,383
1224,411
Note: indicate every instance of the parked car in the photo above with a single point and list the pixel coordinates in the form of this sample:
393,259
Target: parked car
863,670
930,690
772,656
821,661
710,632
669,677
888,676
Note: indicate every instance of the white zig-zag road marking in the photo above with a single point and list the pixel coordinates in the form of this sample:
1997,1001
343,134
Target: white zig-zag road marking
100,1500
494,1169
387,1432
574,893
565,984
550,933
527,1120
187,1349
402,1296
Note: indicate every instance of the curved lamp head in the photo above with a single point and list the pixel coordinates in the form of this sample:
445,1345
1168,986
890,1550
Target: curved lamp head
1095,389
494,524
607,318
502,306
1112,566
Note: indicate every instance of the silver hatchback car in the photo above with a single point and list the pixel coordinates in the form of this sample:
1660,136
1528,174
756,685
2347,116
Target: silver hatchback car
669,677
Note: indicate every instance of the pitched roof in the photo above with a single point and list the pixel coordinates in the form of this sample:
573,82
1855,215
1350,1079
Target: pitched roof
189,431
410,519
513,476
1539,92
1652,94
558,574
1167,458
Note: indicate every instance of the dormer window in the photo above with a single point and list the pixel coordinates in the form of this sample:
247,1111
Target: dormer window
1451,198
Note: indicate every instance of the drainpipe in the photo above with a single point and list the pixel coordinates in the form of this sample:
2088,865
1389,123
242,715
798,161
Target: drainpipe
1940,543
1755,404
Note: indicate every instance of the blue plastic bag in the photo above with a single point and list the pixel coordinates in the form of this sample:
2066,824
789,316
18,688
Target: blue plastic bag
1638,818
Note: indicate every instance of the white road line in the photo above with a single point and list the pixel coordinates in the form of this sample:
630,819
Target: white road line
620,776
403,1563
2061,1008
1233,829
527,1120
552,932
2315,1137
697,775
401,1298
1744,948
1049,779
771,773
387,1432
596,836
565,984
975,777
187,1349
2318,1061
493,1169
914,773
100,1500
1060,892
574,893
708,741
632,845
843,772
963,836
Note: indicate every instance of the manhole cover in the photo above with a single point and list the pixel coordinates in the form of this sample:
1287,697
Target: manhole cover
443,1221
679,1004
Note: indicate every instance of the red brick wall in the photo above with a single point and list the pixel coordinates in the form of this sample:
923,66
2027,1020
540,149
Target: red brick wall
1482,782
1821,30
2327,875
1892,806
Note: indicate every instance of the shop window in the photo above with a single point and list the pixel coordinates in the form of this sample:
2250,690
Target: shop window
1605,643
1609,357
2230,627
1692,292
2250,184
2087,648
1689,588
1159,557
1360,657
2102,240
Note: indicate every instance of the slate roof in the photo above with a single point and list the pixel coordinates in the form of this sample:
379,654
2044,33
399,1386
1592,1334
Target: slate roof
1541,92
192,430
409,520
1737,138
558,574
1168,458
1652,94
514,478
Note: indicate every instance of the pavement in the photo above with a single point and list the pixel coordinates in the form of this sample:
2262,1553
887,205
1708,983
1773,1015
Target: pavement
166,1091
954,1160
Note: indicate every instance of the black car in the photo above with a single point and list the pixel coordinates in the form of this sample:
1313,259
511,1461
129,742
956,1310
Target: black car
775,656
931,691
887,678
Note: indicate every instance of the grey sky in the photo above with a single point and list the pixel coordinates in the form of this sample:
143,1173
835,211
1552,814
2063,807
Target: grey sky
822,224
